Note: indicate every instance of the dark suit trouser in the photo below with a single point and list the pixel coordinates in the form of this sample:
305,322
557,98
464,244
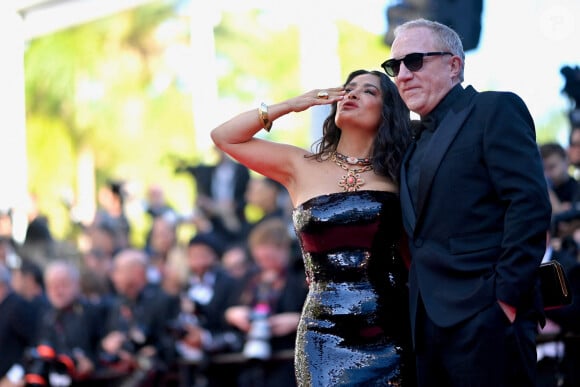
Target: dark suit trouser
486,350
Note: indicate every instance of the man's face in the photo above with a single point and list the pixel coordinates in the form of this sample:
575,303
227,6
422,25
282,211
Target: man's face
200,258
556,169
61,288
162,236
423,89
129,277
271,257
18,282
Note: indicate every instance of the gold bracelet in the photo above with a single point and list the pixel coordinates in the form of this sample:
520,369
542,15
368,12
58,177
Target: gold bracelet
263,114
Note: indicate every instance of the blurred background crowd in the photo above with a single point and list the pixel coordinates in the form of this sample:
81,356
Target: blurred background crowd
157,314
132,253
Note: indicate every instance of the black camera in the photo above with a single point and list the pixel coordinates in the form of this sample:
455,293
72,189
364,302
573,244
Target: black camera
135,340
45,367
178,327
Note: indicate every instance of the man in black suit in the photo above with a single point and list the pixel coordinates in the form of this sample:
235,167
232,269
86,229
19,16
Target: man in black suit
210,291
220,196
136,335
16,331
476,212
67,322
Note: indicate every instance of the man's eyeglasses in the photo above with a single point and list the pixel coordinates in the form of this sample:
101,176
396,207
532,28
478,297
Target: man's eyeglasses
413,62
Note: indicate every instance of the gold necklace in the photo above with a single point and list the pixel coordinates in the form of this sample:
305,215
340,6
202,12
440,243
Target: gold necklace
351,181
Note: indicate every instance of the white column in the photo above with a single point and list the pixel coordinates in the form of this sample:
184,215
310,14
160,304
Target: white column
13,163
319,62
206,114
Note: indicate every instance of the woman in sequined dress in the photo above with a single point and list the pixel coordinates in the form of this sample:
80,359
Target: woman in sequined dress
353,329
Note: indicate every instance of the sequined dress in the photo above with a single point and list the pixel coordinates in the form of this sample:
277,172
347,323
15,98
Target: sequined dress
354,325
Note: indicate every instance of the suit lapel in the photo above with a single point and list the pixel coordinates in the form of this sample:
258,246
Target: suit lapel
439,144
409,217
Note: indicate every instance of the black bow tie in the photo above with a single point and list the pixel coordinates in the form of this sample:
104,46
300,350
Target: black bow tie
417,127
428,123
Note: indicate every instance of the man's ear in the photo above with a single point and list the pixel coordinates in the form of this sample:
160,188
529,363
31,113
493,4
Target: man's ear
456,64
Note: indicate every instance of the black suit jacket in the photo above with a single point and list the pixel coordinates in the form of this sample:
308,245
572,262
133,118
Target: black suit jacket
478,231
212,314
204,177
16,331
150,315
77,327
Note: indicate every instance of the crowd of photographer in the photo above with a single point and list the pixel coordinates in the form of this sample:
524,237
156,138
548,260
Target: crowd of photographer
220,309
558,346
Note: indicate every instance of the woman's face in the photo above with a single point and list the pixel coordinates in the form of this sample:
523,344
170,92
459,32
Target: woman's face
362,105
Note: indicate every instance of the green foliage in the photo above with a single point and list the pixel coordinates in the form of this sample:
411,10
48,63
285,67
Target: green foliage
94,86
256,61
106,86
51,167
259,61
359,49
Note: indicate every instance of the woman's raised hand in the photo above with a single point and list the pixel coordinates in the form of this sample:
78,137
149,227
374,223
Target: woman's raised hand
316,97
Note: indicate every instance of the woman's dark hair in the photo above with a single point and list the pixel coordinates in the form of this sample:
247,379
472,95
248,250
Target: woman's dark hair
393,135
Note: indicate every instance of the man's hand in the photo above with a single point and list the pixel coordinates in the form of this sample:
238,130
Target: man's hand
284,323
5,382
84,366
239,316
113,341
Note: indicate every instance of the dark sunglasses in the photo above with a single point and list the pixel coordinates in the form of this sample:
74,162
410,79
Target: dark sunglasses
413,62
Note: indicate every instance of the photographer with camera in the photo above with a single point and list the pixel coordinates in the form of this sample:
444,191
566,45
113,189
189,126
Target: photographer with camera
564,192
201,329
566,213
564,189
136,340
16,328
69,330
220,201
268,310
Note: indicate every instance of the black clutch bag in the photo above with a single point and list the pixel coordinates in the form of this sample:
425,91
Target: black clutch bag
554,285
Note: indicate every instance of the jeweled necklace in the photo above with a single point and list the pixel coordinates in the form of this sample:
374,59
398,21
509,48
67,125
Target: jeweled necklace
363,162
351,181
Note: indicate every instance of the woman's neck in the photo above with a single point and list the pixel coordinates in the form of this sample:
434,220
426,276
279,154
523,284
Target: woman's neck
354,147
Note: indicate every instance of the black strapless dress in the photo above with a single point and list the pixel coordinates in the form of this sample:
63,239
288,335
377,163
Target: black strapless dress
354,329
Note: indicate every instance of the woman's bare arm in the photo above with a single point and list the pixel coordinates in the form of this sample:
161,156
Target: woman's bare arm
236,137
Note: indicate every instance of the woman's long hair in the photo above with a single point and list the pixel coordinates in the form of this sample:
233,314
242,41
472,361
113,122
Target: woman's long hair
393,135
